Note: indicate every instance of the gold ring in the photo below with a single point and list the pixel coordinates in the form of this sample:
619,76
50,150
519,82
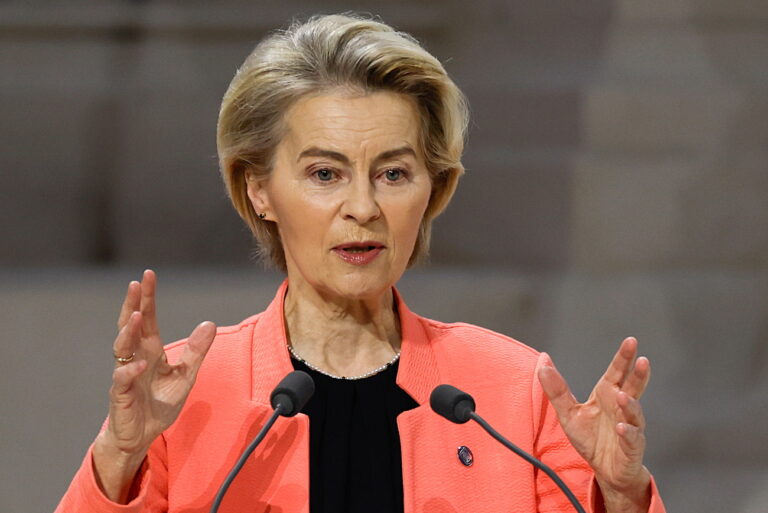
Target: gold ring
123,361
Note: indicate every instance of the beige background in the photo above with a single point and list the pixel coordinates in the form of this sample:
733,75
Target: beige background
617,185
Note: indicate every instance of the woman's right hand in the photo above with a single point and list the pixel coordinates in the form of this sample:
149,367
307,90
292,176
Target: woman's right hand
147,393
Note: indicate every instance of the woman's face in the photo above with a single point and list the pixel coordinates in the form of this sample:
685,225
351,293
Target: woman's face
348,192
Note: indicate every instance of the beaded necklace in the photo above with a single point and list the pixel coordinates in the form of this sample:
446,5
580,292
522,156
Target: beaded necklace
361,376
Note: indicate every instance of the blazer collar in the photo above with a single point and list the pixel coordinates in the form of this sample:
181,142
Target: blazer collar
417,373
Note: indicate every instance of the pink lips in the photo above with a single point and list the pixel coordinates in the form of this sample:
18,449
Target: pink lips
359,253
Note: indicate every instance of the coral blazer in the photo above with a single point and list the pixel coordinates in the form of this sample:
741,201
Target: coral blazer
230,402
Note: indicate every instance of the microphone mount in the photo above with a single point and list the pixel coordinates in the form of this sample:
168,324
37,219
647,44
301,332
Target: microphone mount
459,407
288,398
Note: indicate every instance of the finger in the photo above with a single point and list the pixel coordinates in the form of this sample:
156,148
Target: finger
128,340
631,440
124,376
130,303
632,410
148,307
198,344
638,380
621,364
558,391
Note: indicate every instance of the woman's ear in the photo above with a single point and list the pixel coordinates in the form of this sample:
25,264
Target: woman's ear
259,195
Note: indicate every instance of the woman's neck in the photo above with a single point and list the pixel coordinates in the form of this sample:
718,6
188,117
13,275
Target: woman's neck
341,336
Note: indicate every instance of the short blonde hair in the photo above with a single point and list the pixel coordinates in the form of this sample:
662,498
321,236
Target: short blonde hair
325,53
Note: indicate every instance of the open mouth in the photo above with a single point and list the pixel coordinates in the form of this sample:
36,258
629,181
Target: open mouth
359,249
359,253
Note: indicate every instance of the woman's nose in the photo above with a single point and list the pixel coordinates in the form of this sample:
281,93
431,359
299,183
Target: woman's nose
360,204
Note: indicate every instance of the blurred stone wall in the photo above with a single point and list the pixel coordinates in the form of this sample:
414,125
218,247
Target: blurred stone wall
617,184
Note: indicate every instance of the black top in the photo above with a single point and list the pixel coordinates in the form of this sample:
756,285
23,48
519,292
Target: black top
354,445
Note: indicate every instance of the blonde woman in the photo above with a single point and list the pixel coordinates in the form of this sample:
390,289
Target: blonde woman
340,141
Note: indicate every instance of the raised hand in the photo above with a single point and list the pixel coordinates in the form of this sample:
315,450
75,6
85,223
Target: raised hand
608,428
147,392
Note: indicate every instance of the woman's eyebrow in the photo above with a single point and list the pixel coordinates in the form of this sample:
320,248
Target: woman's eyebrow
399,152
314,151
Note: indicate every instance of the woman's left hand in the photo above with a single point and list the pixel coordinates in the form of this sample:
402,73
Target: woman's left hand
608,428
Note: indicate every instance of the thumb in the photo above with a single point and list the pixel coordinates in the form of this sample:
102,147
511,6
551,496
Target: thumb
557,389
198,344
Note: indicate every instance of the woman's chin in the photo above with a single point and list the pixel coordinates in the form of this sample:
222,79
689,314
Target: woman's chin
362,283
351,282
363,287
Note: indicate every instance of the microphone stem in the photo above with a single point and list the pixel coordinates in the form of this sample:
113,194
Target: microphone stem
244,457
530,459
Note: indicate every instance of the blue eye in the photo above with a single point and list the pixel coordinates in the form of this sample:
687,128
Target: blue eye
393,175
324,175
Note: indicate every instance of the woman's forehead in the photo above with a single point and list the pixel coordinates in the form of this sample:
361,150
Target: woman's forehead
342,122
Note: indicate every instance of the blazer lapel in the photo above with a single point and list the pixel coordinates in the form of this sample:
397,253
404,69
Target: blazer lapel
269,352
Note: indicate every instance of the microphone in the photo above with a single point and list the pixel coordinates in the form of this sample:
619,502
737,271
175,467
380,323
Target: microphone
459,407
292,393
287,399
452,403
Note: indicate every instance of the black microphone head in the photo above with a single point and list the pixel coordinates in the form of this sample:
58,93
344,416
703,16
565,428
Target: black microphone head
452,403
292,393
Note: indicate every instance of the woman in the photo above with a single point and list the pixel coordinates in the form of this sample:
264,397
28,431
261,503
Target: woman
340,141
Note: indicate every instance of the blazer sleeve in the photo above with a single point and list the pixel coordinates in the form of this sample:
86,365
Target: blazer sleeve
552,446
151,495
